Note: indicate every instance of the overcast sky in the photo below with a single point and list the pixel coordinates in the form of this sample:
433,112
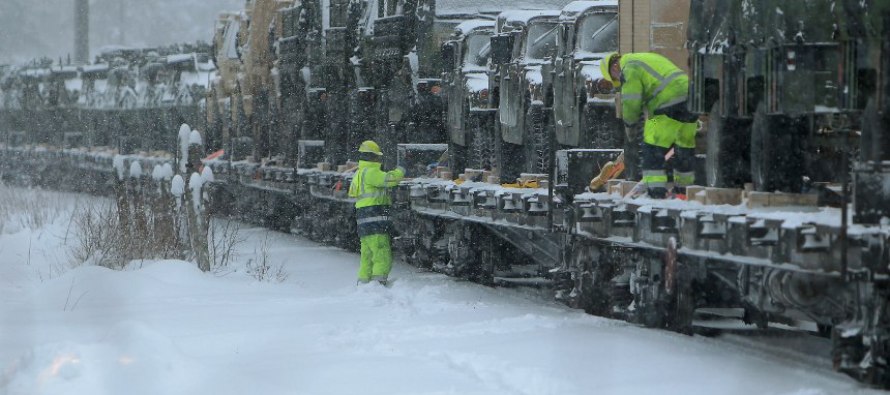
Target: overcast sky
33,28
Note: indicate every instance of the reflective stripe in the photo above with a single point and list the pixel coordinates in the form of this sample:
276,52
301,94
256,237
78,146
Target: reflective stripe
368,220
684,178
373,195
655,178
666,81
654,173
672,102
362,182
646,67
631,96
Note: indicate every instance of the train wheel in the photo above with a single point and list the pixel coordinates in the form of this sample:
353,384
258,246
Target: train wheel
596,272
680,299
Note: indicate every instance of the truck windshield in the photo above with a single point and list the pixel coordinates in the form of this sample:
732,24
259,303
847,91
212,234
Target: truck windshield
541,41
478,49
598,33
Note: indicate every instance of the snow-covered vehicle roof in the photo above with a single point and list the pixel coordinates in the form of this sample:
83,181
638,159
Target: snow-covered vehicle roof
524,16
494,6
180,58
466,27
575,8
94,68
65,72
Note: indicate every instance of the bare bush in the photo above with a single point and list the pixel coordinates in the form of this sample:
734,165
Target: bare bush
223,237
261,269
100,238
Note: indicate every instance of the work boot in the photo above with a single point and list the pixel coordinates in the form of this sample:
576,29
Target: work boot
657,192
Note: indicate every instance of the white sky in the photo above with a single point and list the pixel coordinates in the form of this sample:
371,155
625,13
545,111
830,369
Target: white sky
32,28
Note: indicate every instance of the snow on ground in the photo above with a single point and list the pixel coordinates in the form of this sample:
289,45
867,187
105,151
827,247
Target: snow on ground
164,327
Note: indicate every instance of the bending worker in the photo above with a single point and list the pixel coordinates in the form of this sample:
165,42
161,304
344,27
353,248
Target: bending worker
370,187
650,82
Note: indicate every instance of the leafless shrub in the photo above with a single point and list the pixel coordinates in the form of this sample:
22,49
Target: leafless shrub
113,233
261,269
101,240
223,238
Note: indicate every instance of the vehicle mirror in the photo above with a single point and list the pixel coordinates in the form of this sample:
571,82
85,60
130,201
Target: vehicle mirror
501,48
448,56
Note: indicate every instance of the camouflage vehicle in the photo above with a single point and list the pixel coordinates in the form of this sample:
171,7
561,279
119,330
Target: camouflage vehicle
223,117
255,77
583,104
243,101
469,117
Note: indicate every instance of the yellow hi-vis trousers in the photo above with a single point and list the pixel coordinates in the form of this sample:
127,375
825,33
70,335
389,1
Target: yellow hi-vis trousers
376,258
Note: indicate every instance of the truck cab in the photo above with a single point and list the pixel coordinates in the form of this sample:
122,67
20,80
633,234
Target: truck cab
469,116
524,42
583,104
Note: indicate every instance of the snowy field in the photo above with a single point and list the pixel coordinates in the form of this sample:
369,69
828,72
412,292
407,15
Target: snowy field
166,328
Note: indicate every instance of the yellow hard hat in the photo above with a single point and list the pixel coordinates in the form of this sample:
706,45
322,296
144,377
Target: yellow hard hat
604,68
370,147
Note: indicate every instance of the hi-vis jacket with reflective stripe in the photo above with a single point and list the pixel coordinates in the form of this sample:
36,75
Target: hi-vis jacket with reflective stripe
369,187
651,80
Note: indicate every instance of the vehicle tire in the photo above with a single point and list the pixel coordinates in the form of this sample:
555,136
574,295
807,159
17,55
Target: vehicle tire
600,128
458,157
728,150
510,160
777,152
537,141
482,145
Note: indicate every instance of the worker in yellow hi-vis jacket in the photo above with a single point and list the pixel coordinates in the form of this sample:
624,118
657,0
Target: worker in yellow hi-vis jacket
651,82
370,187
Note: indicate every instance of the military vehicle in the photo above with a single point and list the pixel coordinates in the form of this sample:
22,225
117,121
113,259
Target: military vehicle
783,102
223,115
583,104
524,41
470,117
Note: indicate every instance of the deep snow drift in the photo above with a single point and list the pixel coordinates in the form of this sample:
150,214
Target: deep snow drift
164,327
